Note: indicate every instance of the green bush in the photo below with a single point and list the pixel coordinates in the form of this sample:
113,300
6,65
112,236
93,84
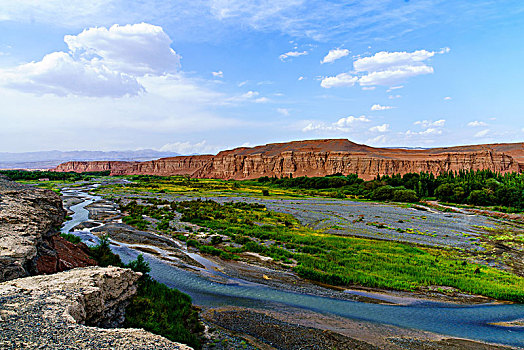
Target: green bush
383,193
408,196
162,310
103,255
71,238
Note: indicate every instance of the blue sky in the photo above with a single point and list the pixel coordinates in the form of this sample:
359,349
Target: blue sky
201,76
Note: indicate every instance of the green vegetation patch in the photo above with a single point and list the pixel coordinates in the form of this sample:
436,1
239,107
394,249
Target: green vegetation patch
155,307
337,260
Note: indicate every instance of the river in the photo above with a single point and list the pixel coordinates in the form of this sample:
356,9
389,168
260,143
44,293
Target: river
470,321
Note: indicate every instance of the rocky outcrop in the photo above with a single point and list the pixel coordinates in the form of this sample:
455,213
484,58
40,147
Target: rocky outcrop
320,158
65,310
29,223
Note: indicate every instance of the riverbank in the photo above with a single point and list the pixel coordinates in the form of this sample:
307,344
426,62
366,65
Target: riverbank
260,273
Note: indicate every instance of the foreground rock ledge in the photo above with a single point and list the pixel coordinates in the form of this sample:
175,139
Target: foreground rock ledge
64,311
29,240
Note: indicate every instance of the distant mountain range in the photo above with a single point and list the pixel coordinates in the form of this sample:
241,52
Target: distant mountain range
50,159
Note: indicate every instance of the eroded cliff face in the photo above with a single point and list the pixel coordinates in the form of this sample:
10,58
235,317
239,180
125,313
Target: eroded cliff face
29,223
65,310
320,158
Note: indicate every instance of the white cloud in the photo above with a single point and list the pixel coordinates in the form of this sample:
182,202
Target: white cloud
286,55
379,140
389,68
301,78
476,123
218,74
447,98
395,88
342,79
368,88
385,68
380,128
482,133
430,123
101,62
283,111
262,100
60,74
429,128
136,49
334,55
377,107
250,96
187,148
428,131
392,97
385,60
394,75
341,125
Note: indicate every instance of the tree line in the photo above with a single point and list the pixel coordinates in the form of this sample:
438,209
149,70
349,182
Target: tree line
480,187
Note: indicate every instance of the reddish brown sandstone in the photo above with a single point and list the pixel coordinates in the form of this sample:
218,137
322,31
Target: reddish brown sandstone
319,158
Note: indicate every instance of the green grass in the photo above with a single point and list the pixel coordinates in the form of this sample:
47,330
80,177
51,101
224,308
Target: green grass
341,260
71,238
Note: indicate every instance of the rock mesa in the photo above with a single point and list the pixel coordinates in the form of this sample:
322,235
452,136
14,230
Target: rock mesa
319,158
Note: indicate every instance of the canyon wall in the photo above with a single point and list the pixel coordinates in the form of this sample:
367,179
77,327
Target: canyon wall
319,158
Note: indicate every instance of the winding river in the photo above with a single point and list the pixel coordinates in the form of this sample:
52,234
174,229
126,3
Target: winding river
472,322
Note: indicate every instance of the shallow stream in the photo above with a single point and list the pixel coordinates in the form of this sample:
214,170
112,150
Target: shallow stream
472,322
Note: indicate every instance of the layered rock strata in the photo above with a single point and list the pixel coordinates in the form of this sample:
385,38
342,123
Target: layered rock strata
29,241
319,158
65,310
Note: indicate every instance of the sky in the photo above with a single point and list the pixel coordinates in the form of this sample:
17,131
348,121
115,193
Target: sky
201,76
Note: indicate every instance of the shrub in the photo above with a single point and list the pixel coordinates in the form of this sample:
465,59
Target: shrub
71,238
409,196
383,193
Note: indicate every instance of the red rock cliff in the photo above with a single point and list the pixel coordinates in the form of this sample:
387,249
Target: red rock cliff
320,158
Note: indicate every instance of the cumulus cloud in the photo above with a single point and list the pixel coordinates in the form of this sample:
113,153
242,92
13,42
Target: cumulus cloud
476,123
136,49
482,133
100,62
377,107
218,74
430,123
334,55
385,60
393,75
341,125
187,148
380,128
389,68
429,128
342,79
60,74
286,55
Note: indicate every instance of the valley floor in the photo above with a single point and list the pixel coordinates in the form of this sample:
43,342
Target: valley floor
275,326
